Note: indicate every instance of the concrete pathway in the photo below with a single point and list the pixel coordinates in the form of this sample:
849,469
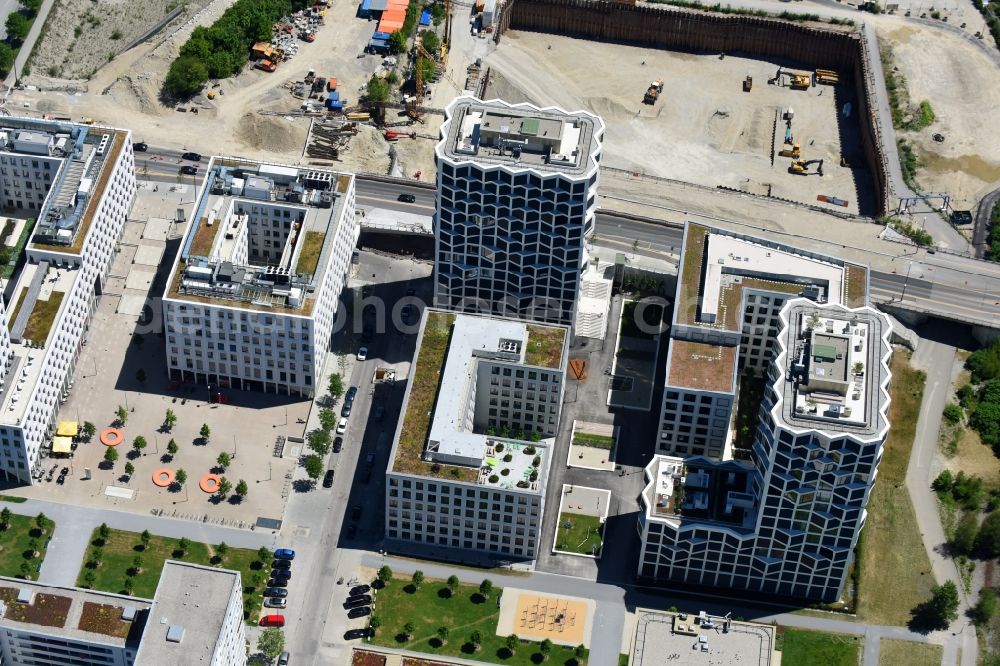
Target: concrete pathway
75,524
936,360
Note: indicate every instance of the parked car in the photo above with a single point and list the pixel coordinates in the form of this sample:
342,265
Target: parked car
356,512
277,582
276,592
370,458
281,564
283,659
360,611
358,600
345,411
140,147
328,479
189,170
354,634
342,426
284,554
338,443
272,621
351,393
362,353
271,602
407,198
379,413
281,574
359,589
194,157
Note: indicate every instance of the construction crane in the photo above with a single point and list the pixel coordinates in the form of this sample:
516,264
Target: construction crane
802,168
413,109
446,42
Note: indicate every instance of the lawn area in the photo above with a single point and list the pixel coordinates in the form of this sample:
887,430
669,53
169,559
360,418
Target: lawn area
41,317
14,544
893,652
7,269
578,533
121,548
545,346
895,574
595,441
204,238
801,647
431,607
17,305
312,245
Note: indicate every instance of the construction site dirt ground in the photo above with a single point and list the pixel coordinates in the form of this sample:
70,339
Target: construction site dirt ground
704,129
962,84
127,93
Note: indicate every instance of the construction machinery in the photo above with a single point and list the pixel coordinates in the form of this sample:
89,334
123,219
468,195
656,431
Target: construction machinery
266,65
395,135
802,168
653,92
800,82
792,150
827,77
748,83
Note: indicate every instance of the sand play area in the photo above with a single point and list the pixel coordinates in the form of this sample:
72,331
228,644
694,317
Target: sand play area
563,620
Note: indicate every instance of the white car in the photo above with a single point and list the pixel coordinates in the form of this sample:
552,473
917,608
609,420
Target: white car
342,426
363,353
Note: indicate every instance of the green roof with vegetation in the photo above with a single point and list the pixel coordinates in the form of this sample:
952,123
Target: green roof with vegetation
545,346
42,316
312,247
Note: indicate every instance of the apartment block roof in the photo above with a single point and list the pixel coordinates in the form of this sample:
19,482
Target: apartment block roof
719,268
434,437
521,136
214,264
700,490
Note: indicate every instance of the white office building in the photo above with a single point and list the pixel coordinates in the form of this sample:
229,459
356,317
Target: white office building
471,455
516,196
195,617
89,178
254,291
786,521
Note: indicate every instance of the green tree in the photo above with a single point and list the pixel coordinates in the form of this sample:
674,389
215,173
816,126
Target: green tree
263,554
965,534
418,578
511,643
31,6
952,413
985,608
185,77
580,651
452,585
314,467
942,608
545,647
224,487
25,570
221,550
427,71
43,523
271,643
327,419
7,55
205,432
5,516
145,538
129,586
129,469
377,91
89,429
985,363
442,634
137,563
169,419
33,547
374,623
242,488
430,41
181,477
476,639
943,482
183,545
172,447
104,531
397,42
223,460
385,574
97,557
319,442
122,415
89,578
139,443
486,588
988,538
111,455
18,26
408,630
335,387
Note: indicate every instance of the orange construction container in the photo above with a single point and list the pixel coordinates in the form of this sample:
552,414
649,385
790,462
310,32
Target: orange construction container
331,83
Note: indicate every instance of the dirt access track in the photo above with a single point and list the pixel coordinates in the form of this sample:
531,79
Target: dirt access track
126,92
703,129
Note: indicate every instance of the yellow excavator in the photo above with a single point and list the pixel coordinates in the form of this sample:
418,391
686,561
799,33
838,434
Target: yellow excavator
791,150
802,168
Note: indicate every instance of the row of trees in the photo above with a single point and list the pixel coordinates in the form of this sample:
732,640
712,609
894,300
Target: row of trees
221,50
320,439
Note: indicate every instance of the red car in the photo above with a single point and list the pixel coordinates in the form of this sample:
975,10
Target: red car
272,621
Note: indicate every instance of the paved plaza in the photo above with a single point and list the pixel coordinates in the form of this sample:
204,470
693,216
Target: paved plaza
592,457
668,638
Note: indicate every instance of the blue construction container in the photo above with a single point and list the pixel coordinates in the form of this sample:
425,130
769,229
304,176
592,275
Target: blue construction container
425,17
365,10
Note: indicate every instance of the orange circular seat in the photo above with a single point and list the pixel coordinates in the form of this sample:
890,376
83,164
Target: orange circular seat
112,436
210,483
164,476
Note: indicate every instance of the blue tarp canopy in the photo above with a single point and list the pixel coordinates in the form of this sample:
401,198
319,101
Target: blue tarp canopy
425,17
383,36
